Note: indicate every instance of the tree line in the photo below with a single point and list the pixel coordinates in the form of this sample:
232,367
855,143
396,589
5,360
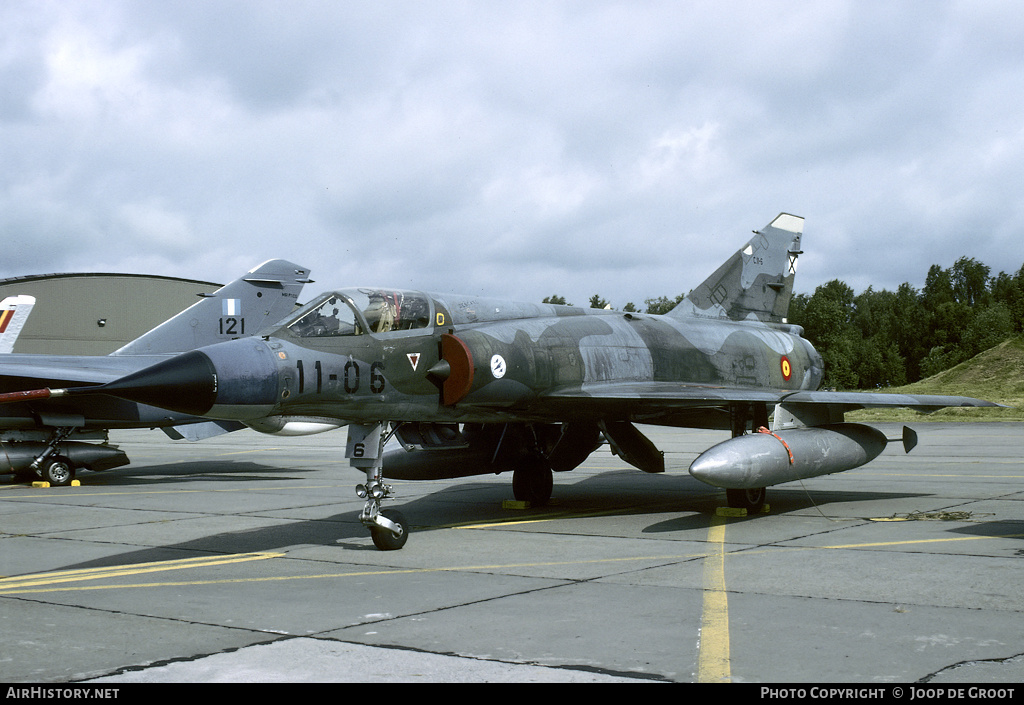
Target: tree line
891,338
662,304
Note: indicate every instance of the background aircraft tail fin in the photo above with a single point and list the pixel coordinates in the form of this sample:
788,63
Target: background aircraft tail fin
245,307
756,283
14,312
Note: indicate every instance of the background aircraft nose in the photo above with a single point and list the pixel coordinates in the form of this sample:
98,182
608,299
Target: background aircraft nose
186,383
232,380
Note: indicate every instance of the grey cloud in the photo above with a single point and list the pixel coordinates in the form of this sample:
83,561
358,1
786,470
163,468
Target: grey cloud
515,149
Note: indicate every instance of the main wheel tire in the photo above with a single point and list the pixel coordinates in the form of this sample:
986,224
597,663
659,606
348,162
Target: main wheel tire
533,483
58,471
750,499
384,540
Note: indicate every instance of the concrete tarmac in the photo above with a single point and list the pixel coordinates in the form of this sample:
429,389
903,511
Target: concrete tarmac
241,559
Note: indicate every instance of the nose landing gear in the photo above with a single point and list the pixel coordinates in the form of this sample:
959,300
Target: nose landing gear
365,451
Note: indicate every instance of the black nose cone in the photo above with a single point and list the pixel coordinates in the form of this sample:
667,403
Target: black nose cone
186,383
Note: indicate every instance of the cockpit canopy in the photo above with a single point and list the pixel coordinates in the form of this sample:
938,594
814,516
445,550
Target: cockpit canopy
362,311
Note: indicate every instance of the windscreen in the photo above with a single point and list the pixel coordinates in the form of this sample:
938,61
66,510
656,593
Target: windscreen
329,317
360,311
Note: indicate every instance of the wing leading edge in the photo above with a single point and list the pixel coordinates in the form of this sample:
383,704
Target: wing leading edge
669,397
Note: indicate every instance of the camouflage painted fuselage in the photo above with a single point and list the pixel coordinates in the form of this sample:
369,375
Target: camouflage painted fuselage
485,361
367,355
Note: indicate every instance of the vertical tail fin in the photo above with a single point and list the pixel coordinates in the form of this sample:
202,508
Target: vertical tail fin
756,283
14,312
242,308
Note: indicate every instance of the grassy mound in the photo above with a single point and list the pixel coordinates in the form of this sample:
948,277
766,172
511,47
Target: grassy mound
996,375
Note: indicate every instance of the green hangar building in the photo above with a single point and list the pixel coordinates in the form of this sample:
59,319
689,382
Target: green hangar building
95,314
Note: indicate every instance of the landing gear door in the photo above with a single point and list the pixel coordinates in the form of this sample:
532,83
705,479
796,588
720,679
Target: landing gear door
363,443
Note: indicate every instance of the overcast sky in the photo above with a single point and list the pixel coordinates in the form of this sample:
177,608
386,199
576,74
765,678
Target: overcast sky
516,149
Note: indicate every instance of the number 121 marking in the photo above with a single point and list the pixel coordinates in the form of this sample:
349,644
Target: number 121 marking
232,326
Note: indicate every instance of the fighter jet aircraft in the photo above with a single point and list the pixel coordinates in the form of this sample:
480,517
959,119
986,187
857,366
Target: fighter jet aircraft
471,385
52,439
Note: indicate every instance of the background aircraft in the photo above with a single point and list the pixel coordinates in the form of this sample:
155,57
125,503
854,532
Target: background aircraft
14,311
470,385
53,438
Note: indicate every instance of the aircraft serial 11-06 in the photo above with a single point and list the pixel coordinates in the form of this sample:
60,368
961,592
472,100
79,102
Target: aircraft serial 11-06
471,385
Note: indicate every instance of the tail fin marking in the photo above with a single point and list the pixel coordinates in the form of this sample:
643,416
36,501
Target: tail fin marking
246,306
756,283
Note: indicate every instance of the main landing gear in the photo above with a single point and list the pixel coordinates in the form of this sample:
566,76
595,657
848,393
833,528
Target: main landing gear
365,451
533,481
51,467
756,415
56,453
752,500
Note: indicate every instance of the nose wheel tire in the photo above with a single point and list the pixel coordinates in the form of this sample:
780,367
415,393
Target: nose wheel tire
384,539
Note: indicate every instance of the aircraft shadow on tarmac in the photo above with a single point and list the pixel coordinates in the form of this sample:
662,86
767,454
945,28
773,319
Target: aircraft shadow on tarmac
781,500
618,493
461,504
1010,529
177,473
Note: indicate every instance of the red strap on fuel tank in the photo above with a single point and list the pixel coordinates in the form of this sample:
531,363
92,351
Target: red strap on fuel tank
762,429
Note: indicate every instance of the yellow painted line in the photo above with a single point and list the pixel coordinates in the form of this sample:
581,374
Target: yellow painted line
546,517
713,665
79,492
714,640
17,583
714,646
555,516
129,569
511,522
913,541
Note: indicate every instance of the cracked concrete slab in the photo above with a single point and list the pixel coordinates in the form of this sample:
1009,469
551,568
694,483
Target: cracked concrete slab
318,660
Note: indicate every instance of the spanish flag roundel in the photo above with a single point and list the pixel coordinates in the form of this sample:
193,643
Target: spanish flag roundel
787,369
